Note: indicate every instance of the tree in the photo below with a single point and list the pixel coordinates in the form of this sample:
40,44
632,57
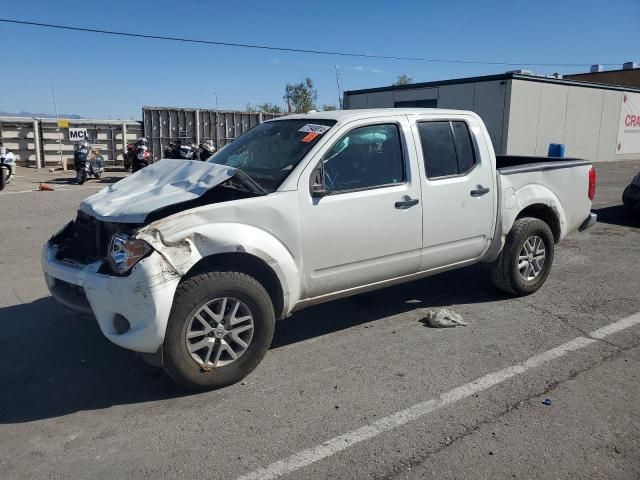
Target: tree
301,97
263,107
269,108
327,108
403,79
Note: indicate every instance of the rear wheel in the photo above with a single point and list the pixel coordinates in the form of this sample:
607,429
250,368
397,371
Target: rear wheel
526,258
220,328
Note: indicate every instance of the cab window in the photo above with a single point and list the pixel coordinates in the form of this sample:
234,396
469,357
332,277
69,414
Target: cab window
447,148
366,157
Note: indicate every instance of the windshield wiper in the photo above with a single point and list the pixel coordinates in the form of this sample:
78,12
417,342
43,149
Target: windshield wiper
247,182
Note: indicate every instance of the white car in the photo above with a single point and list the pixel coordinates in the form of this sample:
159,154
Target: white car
192,262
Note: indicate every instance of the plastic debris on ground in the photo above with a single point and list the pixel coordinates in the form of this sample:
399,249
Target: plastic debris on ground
443,318
546,402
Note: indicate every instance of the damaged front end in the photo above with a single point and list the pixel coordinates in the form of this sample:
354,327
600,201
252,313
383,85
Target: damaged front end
101,264
85,241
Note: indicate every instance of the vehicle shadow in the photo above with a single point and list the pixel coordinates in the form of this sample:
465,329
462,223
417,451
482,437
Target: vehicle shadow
72,180
618,215
463,286
54,362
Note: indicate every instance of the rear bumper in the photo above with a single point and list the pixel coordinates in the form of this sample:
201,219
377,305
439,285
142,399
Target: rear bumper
144,297
589,222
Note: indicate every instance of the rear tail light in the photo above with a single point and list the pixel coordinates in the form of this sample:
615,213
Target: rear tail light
592,183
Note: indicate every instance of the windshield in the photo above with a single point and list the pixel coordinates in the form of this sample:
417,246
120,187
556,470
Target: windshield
268,152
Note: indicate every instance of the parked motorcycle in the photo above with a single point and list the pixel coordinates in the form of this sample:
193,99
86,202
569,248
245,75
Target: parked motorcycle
142,157
205,150
179,150
7,166
87,162
129,155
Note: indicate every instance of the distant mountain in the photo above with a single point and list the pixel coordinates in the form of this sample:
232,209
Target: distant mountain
74,116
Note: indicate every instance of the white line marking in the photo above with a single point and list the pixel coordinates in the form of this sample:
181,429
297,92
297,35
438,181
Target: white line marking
337,444
89,187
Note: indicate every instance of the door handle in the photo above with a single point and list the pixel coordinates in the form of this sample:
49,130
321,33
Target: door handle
410,202
480,190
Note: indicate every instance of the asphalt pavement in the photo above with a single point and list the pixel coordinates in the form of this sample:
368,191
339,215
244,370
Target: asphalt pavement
544,386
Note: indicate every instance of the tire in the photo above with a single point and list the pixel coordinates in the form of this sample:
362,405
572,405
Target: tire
97,175
504,271
4,176
81,177
208,289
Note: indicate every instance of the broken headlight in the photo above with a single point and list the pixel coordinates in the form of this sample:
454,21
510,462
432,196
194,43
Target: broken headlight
125,252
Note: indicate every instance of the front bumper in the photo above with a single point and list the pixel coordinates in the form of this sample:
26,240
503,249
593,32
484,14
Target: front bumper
144,297
589,222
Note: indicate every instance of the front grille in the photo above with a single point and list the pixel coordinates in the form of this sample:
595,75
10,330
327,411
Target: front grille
86,240
70,295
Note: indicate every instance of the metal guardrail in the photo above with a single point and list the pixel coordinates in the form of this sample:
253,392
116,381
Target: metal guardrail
164,124
41,142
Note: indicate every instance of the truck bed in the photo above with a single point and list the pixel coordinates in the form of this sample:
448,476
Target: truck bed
561,183
509,164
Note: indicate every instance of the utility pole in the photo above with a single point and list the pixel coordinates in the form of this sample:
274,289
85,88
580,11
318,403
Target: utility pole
55,109
339,89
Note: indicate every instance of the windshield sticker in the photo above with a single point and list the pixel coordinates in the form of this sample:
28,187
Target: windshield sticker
310,137
313,128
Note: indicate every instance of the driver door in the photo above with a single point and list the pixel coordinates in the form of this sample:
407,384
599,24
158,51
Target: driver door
367,227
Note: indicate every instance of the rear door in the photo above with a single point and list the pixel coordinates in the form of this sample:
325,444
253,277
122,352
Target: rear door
458,190
368,228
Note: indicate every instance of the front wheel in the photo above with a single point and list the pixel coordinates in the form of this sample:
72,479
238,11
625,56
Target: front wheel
220,328
4,178
526,258
81,177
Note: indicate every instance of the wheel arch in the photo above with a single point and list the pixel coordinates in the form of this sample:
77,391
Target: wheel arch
537,201
234,247
245,263
546,214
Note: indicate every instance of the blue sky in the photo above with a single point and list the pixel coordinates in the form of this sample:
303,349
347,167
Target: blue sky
112,77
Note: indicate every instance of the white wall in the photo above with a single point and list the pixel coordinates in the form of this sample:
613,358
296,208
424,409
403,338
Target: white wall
487,99
584,119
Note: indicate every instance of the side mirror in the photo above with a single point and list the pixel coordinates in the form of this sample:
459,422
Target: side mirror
316,185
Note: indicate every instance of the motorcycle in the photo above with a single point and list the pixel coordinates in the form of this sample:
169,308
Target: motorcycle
7,166
178,150
142,157
129,155
87,162
205,150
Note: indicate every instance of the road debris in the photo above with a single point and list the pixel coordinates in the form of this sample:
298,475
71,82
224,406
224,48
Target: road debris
45,187
547,402
443,318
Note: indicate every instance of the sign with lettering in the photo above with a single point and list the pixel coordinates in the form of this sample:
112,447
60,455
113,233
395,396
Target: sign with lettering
78,134
629,126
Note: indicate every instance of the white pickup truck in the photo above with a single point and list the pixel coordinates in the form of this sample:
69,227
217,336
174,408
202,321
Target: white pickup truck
192,262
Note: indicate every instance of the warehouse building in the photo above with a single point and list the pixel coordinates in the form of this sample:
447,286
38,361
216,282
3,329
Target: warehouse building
524,113
627,76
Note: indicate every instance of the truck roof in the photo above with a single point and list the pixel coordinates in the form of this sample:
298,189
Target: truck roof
343,115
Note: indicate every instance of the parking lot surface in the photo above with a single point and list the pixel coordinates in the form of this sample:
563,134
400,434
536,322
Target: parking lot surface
544,386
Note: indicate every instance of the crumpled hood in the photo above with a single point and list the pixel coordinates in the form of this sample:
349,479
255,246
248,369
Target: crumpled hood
159,185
